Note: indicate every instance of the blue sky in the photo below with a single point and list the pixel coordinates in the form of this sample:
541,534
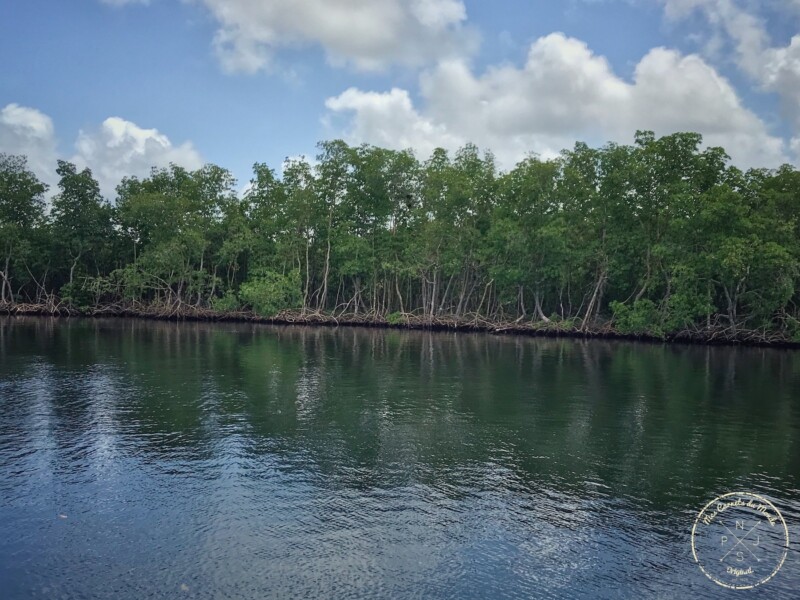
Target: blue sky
122,85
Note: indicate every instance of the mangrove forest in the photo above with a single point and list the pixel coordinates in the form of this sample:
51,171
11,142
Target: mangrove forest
663,238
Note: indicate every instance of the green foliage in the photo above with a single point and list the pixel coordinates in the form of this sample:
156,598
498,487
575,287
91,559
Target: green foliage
21,194
643,317
792,326
268,292
131,282
395,318
227,303
77,295
685,308
21,212
661,236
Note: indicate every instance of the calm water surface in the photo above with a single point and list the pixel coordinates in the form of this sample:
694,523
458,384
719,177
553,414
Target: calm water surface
161,460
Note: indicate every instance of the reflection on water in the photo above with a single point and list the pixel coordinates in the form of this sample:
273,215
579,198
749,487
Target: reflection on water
164,460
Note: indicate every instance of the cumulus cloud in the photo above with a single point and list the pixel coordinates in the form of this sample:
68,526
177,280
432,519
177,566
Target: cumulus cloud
30,132
794,144
775,68
119,148
563,92
390,120
367,34
115,149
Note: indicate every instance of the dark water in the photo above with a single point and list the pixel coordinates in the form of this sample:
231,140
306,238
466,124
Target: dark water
157,460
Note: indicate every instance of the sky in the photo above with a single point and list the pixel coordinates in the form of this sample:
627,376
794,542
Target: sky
121,86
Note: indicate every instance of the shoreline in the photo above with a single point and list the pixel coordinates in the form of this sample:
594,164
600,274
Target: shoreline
716,336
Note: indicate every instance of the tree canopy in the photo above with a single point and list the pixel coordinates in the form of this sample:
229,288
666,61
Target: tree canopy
657,237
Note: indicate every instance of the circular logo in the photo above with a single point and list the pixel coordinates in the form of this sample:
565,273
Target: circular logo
740,540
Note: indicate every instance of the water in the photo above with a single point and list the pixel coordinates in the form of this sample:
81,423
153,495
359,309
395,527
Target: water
161,460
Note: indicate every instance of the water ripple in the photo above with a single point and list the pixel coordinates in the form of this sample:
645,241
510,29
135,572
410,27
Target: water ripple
198,461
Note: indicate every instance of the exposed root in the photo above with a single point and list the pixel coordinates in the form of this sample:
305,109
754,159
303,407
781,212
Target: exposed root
181,311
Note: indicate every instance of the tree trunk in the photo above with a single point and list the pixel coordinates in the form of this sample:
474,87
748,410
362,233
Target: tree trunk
434,292
646,280
324,296
6,282
72,268
538,307
595,301
308,275
399,295
446,293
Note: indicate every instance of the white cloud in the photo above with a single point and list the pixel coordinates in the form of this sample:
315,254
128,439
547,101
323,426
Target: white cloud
367,34
116,149
30,132
119,148
563,92
776,69
794,144
389,120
